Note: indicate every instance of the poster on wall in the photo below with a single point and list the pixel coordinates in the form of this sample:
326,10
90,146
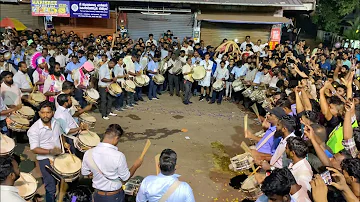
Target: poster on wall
89,9
50,8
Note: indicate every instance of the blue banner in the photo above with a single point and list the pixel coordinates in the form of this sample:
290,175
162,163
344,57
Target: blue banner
89,9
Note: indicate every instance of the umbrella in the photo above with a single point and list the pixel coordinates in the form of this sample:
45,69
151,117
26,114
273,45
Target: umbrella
13,23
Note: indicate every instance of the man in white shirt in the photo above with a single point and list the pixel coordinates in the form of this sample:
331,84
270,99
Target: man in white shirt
22,79
130,71
174,64
5,66
221,74
205,82
46,142
10,172
119,73
108,167
188,49
258,47
10,93
151,40
246,42
105,79
60,58
296,150
188,80
165,186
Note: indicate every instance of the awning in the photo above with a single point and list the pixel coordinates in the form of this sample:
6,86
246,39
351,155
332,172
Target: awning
243,19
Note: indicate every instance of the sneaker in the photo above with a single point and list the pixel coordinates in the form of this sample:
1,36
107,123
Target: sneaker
105,118
120,109
190,102
201,98
185,103
155,98
135,103
130,106
141,99
112,114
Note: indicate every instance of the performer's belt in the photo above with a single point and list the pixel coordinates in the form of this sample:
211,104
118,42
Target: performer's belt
108,193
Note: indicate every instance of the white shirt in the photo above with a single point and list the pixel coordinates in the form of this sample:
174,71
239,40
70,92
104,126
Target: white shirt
154,187
44,137
77,77
243,45
119,71
10,94
258,77
276,159
221,73
250,75
7,67
61,59
273,82
186,69
112,164
302,173
2,108
63,116
104,72
130,66
257,48
151,41
57,84
187,50
10,193
173,63
22,81
266,78
301,195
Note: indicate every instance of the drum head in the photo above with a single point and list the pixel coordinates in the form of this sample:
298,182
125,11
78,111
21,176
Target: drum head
65,164
218,84
93,94
38,97
199,73
140,80
249,183
7,144
130,84
146,78
20,120
27,111
89,138
26,188
74,101
159,78
88,117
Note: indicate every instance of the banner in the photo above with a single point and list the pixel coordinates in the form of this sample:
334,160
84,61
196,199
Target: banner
88,9
50,8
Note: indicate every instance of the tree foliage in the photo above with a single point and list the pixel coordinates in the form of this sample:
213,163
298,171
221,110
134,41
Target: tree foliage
329,13
354,31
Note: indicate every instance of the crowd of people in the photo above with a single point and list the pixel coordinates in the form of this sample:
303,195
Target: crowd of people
307,150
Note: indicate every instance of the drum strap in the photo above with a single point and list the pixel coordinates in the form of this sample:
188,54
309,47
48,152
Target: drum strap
170,191
94,166
265,140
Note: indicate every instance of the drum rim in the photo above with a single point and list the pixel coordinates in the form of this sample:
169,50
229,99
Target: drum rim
79,140
31,182
24,114
66,174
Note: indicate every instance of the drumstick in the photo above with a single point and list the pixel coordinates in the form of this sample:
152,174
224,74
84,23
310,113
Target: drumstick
22,177
63,188
89,132
255,171
147,145
246,122
244,146
4,138
72,156
256,111
157,159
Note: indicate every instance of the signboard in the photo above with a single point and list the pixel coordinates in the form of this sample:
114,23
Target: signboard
275,34
50,8
88,9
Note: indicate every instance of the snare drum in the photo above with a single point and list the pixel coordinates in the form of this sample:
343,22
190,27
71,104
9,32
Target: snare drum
66,167
36,98
17,123
139,81
251,188
114,89
27,188
199,73
147,80
26,112
158,79
7,145
7,55
218,85
91,95
86,140
241,162
74,102
238,85
129,86
87,119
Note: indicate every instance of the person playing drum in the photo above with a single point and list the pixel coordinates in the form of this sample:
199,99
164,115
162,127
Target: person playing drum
22,79
105,79
221,74
172,76
40,74
138,69
188,80
46,141
119,73
10,172
205,83
5,112
108,167
81,78
10,93
5,66
153,67
67,122
53,83
130,71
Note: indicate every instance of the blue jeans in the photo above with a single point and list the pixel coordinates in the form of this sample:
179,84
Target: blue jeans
119,101
119,197
79,97
49,181
219,94
138,93
152,89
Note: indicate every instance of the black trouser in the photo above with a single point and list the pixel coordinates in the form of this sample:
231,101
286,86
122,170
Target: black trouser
80,97
174,82
106,101
187,86
49,181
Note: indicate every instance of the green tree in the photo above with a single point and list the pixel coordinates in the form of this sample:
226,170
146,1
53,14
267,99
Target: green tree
329,13
354,31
